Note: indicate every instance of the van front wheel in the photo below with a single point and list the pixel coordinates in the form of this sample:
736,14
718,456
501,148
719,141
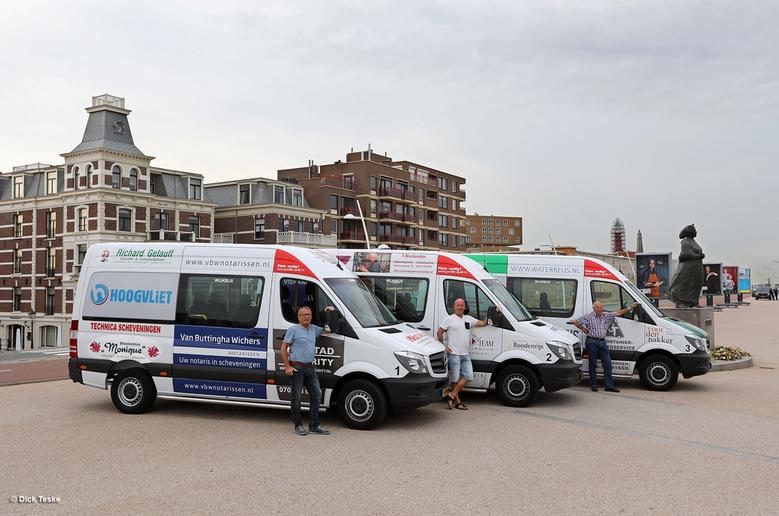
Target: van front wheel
658,373
517,386
133,392
362,404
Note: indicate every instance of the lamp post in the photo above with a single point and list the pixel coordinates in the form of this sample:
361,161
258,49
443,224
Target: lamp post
350,216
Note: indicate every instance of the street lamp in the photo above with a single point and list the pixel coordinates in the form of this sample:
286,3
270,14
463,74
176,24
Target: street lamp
351,216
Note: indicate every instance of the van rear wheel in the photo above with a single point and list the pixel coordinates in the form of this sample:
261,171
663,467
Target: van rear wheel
517,386
133,392
658,373
362,404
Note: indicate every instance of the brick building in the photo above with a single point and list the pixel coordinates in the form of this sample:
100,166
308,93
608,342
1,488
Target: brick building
405,205
493,232
266,211
105,191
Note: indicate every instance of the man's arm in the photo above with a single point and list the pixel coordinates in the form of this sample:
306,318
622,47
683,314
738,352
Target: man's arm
580,326
620,313
285,358
440,337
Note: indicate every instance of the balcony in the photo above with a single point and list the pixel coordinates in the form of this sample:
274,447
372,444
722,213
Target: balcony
224,238
397,193
400,217
397,239
348,211
306,239
337,182
162,234
357,236
429,181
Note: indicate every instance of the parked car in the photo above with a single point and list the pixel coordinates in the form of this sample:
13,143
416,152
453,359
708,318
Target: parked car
761,293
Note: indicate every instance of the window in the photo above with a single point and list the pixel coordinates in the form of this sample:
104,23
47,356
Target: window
297,197
443,183
454,222
51,224
76,178
17,261
476,301
373,228
374,181
194,225
454,204
353,293
195,186
19,186
297,293
161,220
51,183
374,207
454,186
82,219
613,297
284,225
443,202
259,228
443,221
18,228
17,299
219,300
116,176
405,297
125,220
243,194
88,171
545,297
81,252
443,239
421,195
50,301
334,202
51,261
278,194
333,226
349,181
134,181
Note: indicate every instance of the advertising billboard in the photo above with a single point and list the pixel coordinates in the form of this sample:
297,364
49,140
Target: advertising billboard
712,279
745,280
653,274
729,279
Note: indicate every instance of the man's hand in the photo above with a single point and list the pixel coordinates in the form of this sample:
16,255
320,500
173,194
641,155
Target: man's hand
289,369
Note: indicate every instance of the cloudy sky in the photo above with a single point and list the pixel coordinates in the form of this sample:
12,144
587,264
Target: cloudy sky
566,113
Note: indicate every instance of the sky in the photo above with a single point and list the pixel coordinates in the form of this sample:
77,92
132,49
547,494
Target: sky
569,114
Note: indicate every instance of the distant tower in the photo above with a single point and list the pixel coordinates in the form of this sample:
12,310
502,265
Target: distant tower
639,242
617,236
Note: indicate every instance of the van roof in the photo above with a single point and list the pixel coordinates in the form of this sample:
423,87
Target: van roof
400,261
539,264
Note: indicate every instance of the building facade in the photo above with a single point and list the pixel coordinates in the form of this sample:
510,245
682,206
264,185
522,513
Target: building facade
105,191
266,211
493,232
404,205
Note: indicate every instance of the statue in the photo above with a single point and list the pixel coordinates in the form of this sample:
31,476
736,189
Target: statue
687,282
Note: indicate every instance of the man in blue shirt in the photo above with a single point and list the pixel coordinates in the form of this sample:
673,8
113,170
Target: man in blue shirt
297,352
595,325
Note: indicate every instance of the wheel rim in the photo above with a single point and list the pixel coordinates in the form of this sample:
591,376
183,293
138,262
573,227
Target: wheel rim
659,373
359,405
130,391
516,386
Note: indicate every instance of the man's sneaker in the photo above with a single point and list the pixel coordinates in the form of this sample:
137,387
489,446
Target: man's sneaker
300,430
612,389
319,430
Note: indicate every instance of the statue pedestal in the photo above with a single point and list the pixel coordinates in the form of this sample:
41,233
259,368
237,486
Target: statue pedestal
702,317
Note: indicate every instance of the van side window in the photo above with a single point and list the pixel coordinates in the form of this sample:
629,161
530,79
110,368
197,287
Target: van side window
405,297
476,301
297,293
545,297
219,300
613,297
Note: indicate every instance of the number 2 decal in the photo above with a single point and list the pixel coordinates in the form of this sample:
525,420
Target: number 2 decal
548,357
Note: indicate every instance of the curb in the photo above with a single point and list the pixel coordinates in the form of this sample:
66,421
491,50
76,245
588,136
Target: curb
730,365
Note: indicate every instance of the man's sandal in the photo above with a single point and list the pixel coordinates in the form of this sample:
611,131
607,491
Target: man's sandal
461,406
450,401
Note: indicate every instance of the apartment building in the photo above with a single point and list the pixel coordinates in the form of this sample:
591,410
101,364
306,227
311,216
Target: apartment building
266,211
402,204
105,191
493,232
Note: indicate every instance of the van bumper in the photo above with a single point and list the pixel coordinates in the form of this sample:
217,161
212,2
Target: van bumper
74,372
560,375
694,364
412,391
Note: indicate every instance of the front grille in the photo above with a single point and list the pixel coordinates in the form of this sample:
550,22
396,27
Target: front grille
577,351
438,362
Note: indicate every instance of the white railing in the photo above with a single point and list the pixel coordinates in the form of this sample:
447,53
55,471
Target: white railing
108,100
314,239
32,166
224,238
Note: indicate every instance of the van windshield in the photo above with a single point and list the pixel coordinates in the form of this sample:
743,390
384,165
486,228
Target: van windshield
369,311
508,300
646,301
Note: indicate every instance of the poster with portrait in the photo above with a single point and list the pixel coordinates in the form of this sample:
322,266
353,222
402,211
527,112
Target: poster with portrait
729,279
653,274
712,279
744,280
371,261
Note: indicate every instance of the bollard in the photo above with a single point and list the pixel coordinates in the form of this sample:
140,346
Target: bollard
740,297
727,299
709,300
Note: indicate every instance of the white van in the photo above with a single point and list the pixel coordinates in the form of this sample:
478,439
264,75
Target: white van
645,340
516,353
206,322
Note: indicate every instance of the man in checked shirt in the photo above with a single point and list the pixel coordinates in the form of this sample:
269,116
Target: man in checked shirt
594,325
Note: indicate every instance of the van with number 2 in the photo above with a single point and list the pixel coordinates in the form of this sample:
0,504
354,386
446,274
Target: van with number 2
646,341
205,322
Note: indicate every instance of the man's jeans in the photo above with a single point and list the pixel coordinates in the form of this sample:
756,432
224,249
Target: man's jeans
307,374
598,349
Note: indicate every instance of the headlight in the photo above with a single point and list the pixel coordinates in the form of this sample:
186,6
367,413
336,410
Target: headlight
559,349
697,342
413,362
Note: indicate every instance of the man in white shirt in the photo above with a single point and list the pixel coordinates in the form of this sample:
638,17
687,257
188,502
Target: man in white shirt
457,328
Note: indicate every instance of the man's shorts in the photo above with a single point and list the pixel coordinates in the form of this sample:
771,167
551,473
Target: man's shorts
460,366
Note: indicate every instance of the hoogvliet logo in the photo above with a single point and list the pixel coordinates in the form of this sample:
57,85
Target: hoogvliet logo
99,294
